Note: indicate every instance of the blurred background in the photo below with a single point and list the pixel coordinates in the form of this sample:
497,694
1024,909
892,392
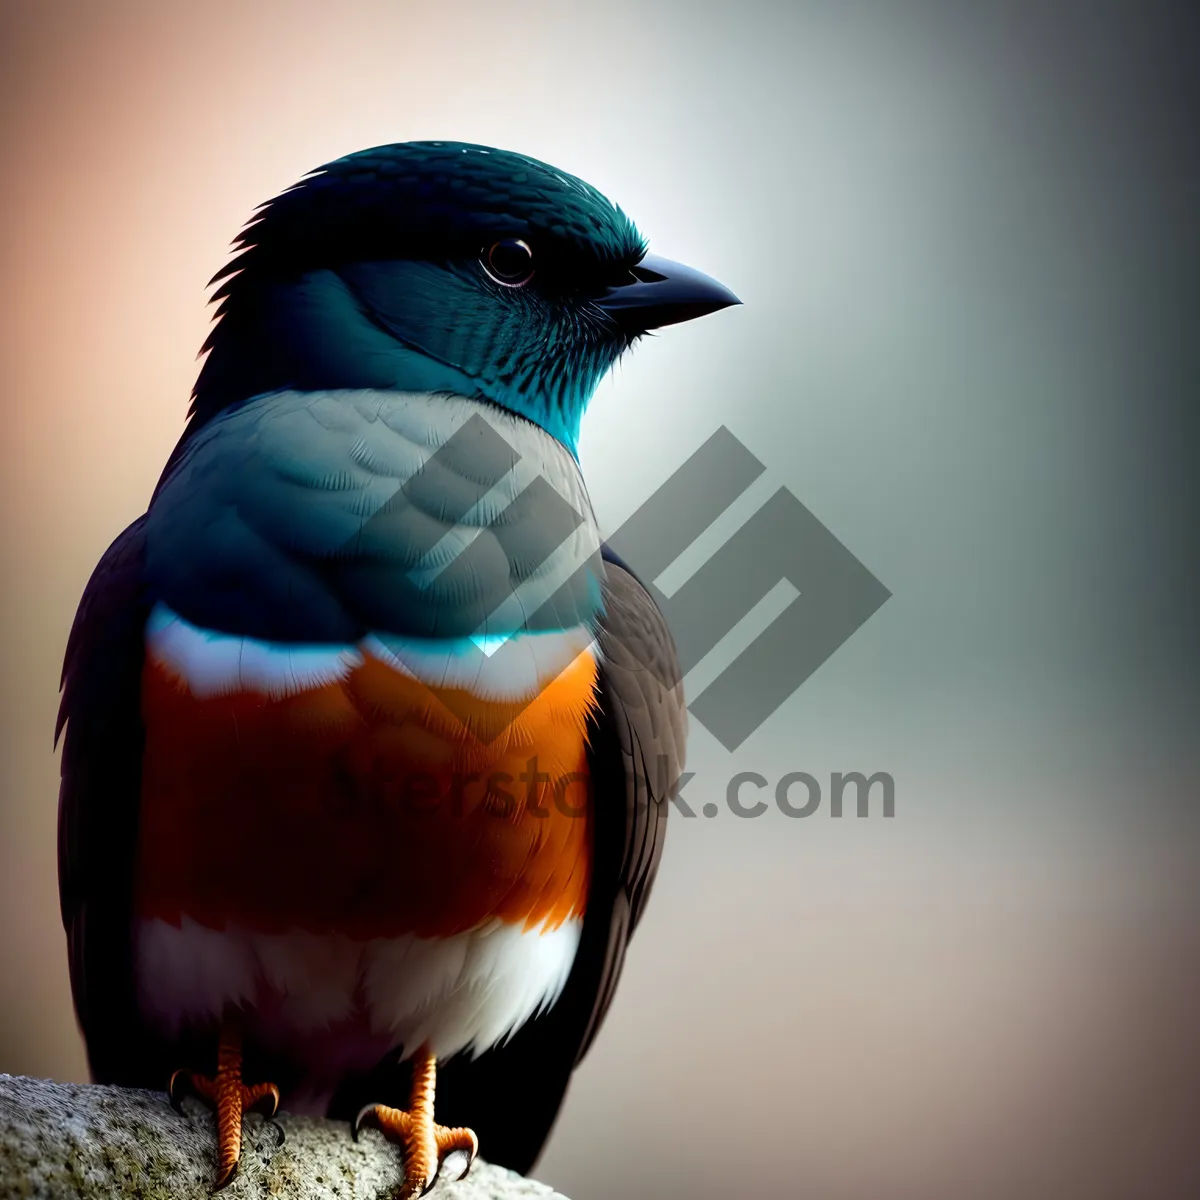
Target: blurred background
966,239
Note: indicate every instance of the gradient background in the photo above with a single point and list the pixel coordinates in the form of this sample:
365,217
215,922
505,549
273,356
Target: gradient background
966,238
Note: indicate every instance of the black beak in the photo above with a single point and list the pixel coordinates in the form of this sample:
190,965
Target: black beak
661,292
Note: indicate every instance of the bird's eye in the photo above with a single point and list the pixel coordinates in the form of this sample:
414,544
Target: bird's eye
509,262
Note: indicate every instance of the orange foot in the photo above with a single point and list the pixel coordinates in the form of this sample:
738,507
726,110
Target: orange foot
427,1147
226,1092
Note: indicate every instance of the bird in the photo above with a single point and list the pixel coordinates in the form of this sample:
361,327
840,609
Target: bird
364,727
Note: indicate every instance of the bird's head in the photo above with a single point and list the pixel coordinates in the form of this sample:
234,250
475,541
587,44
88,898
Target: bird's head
441,267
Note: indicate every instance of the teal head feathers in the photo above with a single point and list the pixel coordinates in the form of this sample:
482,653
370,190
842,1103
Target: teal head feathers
441,267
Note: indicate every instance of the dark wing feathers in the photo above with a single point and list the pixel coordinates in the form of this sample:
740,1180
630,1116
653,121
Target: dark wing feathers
637,751
511,1095
98,806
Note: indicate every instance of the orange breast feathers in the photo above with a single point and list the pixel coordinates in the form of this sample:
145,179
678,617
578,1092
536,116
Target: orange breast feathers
370,805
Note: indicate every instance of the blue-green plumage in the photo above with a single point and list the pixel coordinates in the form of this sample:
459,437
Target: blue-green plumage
367,275
311,517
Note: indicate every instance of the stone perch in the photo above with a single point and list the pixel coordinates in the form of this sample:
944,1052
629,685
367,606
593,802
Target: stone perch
101,1143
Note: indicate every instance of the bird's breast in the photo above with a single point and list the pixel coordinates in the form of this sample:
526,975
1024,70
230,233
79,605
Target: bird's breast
382,834
342,789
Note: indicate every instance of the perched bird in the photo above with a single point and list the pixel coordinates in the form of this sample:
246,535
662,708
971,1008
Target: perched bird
366,731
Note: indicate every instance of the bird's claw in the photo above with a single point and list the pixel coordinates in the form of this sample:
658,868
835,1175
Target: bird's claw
180,1085
231,1098
361,1119
456,1160
429,1149
263,1098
